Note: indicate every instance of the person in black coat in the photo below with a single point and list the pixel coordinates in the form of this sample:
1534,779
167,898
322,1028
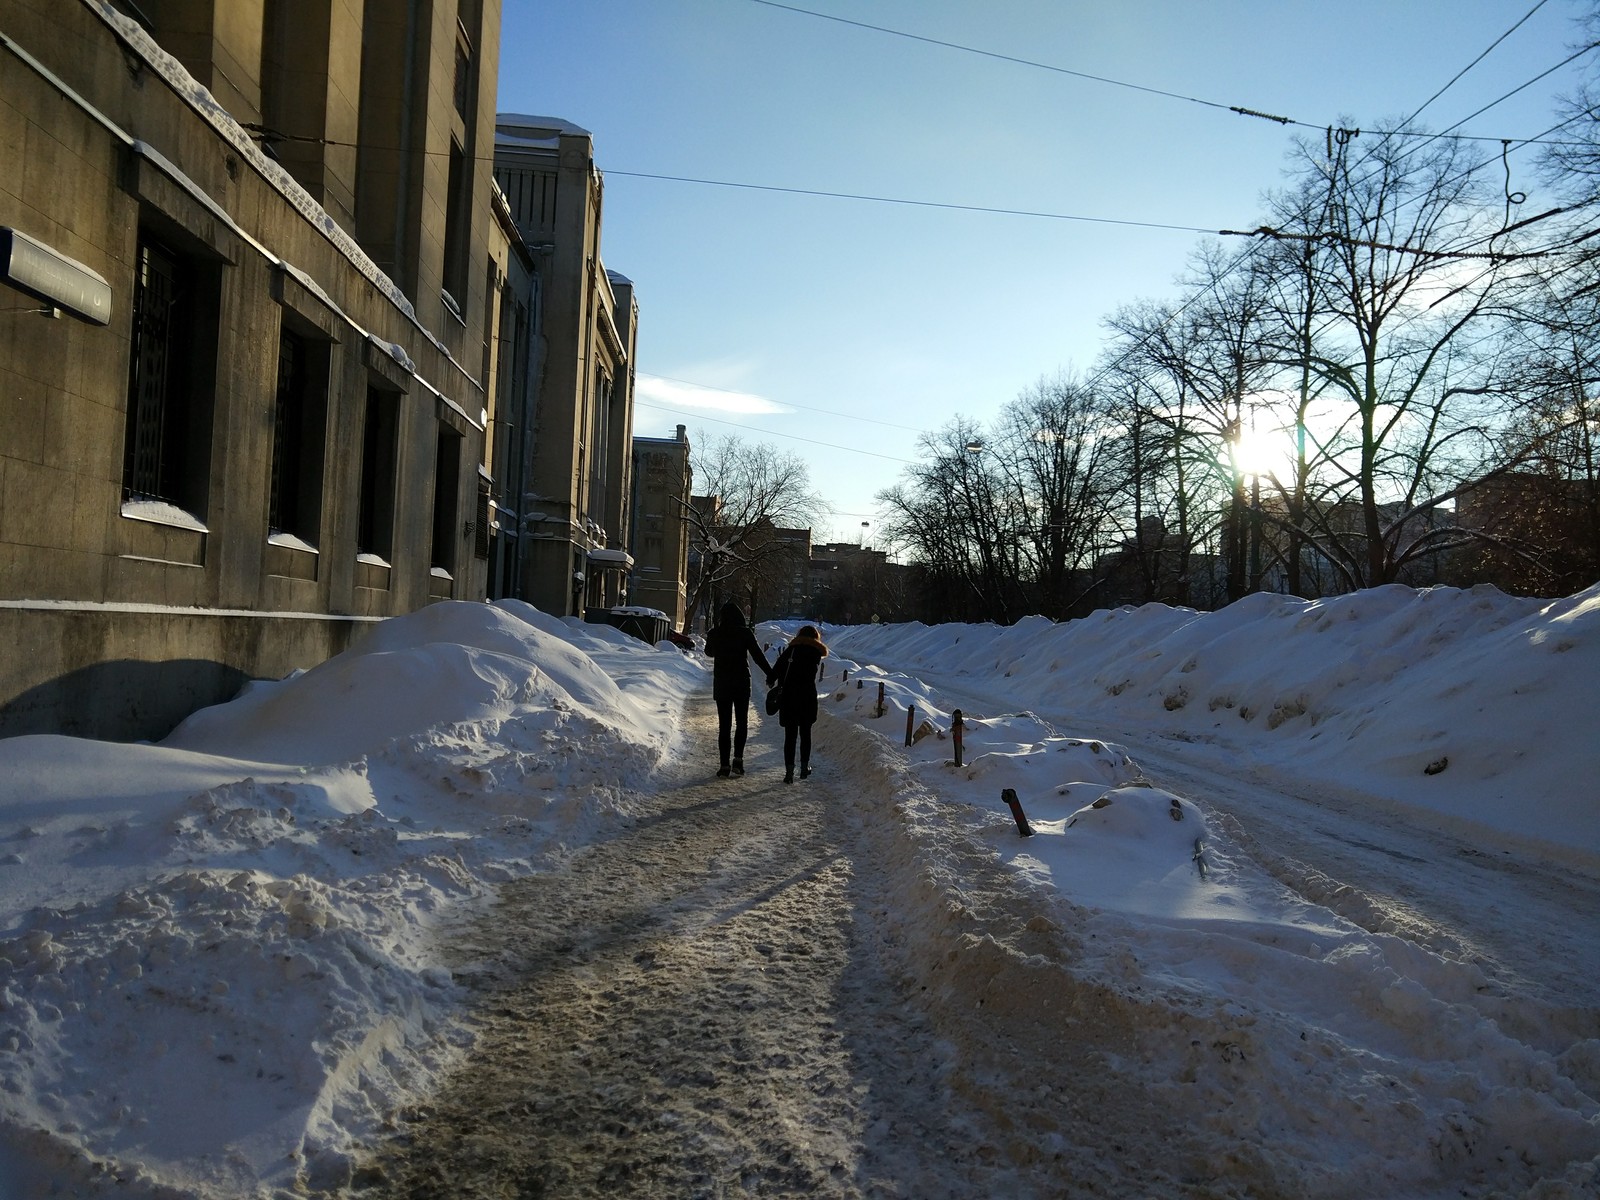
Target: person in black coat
728,641
796,671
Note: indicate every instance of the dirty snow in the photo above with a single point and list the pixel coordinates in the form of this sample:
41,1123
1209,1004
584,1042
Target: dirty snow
220,960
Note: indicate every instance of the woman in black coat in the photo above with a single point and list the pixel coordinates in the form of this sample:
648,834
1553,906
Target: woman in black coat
728,641
796,671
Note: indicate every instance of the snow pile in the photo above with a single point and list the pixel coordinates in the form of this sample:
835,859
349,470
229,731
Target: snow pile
218,952
1467,703
220,969
1302,1049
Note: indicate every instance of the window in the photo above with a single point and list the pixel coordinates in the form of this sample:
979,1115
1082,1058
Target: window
171,378
300,415
446,485
379,439
457,231
599,442
480,543
462,92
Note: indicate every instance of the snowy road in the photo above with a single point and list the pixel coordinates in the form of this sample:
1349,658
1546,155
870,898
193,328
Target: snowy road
706,1005
763,990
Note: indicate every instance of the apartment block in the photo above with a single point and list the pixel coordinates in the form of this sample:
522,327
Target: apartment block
247,329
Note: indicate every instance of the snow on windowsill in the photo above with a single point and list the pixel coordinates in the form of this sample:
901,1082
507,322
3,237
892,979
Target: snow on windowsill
159,512
278,538
440,573
372,560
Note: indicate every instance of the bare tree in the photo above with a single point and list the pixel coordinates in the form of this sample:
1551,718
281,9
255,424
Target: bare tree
1400,283
956,513
1054,445
752,490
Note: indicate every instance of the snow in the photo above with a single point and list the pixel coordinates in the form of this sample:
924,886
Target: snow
159,512
279,538
220,958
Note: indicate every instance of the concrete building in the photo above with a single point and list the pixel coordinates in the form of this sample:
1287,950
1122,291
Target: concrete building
244,352
570,518
662,484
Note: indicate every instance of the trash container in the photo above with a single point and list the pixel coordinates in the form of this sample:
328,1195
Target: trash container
647,624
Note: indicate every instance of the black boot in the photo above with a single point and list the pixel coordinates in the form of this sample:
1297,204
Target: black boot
805,771
722,771
788,775
738,766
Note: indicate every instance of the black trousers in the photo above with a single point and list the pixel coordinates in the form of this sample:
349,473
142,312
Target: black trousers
733,725
791,734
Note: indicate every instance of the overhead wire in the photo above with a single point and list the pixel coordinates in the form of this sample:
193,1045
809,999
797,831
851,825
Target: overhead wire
976,208
1474,62
1238,109
1108,367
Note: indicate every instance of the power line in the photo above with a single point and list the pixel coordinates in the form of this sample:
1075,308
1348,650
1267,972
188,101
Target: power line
976,208
1023,62
1238,109
1473,63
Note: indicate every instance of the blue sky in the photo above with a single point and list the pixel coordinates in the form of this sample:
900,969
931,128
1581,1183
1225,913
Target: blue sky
841,328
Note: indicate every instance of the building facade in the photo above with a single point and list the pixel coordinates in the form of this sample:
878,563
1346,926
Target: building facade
245,268
662,485
568,518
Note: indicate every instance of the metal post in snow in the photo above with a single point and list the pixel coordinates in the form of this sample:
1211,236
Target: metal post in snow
955,733
879,713
1009,795
911,712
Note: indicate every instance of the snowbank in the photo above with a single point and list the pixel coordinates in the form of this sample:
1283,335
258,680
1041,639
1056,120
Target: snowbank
219,965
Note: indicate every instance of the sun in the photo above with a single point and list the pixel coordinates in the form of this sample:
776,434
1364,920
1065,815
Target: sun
1262,453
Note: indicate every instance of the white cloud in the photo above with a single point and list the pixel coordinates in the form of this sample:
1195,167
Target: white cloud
677,393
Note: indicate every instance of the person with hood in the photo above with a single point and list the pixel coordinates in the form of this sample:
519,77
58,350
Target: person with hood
727,642
796,673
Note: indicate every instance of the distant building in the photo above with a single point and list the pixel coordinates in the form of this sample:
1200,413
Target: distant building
849,583
569,521
1152,565
256,423
662,484
1528,534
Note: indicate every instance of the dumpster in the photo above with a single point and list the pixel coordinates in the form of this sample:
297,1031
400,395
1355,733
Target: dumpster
646,624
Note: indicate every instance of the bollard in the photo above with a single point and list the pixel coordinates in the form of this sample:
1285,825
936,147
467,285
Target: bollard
911,712
846,678
1009,795
879,713
955,733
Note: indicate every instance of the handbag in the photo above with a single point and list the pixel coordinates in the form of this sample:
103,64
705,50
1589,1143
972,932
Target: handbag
775,692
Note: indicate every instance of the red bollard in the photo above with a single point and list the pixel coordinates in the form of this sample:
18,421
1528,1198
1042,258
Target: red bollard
955,733
1009,795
